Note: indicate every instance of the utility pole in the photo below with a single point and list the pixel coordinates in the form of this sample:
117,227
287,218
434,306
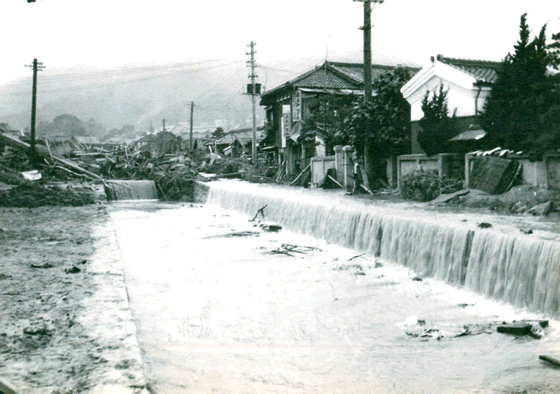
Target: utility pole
163,122
37,66
191,131
254,90
367,46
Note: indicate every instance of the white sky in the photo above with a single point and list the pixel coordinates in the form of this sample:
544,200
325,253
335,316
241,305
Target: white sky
115,33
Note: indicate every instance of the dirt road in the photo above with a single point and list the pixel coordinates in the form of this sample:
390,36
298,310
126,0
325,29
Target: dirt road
64,318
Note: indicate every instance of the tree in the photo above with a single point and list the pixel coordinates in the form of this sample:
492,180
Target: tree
69,125
437,126
523,93
218,133
381,126
327,115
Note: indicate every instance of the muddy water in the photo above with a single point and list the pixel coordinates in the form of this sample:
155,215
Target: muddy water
222,307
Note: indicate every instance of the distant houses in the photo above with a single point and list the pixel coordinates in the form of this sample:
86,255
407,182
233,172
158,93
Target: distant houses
237,142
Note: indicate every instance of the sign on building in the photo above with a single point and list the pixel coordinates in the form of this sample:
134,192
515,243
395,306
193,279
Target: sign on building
286,124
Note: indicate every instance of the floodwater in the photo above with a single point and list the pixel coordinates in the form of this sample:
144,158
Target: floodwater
221,306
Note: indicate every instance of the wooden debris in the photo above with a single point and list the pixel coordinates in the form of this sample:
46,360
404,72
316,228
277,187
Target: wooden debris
517,328
335,181
300,174
234,234
551,360
261,211
366,189
287,249
355,257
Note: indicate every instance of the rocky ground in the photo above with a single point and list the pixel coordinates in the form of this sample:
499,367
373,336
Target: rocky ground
63,307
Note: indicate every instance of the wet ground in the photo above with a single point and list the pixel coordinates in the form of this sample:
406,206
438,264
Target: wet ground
64,318
221,306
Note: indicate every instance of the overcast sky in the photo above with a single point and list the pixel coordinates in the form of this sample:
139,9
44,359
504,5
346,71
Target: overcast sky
83,34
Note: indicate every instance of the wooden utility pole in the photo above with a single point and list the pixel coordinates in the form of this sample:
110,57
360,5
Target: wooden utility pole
191,131
367,81
253,93
367,46
37,66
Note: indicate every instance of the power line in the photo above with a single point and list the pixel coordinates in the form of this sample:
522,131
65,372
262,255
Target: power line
124,71
110,84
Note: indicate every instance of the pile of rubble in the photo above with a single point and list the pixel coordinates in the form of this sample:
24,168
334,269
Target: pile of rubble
173,174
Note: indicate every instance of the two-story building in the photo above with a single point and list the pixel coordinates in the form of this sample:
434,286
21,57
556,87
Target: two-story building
288,105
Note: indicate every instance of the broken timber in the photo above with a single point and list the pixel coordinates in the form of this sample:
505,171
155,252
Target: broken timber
261,211
551,360
300,175
8,140
335,181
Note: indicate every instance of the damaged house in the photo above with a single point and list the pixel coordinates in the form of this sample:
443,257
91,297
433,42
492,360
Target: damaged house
237,143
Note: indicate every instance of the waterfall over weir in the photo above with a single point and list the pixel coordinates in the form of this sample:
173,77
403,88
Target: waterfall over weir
131,190
519,269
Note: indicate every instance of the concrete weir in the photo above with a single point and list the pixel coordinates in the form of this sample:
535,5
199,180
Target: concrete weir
500,262
118,190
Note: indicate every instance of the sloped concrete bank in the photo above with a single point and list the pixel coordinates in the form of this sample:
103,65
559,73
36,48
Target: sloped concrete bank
499,262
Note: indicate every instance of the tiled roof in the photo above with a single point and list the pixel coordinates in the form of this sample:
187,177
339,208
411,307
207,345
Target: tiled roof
322,78
483,70
335,75
356,70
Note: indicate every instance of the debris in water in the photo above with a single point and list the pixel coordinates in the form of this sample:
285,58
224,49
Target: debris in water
417,279
526,231
287,248
261,211
37,330
378,264
464,305
45,265
484,225
271,227
235,234
518,328
474,329
551,360
73,270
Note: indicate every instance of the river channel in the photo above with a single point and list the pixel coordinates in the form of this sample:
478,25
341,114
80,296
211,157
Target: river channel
222,306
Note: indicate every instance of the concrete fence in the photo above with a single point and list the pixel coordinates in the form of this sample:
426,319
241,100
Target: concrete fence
341,162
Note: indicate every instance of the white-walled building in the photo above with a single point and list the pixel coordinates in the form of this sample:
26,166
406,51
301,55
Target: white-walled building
468,84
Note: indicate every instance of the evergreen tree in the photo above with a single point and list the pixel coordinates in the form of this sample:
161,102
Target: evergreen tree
522,94
437,126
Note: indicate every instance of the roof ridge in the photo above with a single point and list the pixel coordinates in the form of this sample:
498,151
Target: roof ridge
352,64
468,62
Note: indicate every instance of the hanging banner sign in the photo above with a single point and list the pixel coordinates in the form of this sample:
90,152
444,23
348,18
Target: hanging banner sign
285,123
296,106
